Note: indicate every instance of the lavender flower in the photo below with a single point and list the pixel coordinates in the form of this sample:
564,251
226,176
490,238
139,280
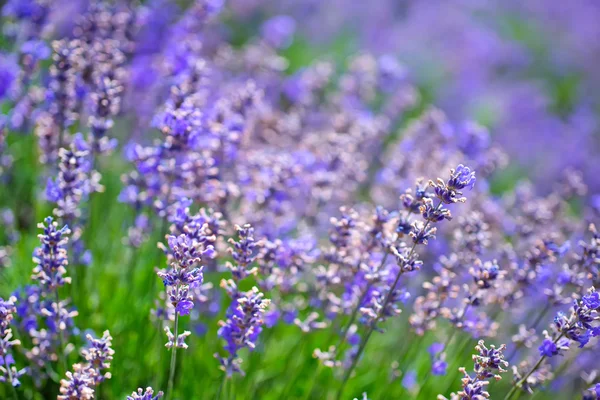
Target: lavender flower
78,384
98,355
51,259
438,358
8,372
51,128
147,394
242,327
450,191
278,31
75,181
105,104
82,381
51,256
182,275
243,253
489,363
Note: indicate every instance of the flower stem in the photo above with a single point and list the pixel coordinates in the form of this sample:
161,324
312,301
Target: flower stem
372,325
10,378
534,325
61,338
173,359
218,397
531,371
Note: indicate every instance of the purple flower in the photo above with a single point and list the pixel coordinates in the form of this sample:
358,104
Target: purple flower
8,372
184,307
147,394
51,256
450,192
9,70
548,348
245,318
37,49
439,367
462,177
409,381
278,31
244,253
435,348
489,363
592,300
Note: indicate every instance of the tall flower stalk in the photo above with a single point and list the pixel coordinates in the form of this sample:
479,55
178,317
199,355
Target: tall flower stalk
50,272
447,193
184,254
8,372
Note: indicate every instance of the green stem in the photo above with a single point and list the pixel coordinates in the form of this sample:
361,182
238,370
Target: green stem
173,359
61,338
534,326
371,327
313,384
218,397
354,314
10,378
531,371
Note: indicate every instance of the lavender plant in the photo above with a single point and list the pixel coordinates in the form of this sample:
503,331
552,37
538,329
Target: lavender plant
316,137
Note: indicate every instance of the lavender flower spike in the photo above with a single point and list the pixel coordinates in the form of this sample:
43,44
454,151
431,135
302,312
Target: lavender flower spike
78,385
81,383
450,192
148,394
243,325
489,363
8,373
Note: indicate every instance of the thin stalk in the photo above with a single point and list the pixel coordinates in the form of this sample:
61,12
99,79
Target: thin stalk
371,327
297,350
313,384
353,315
10,378
173,359
61,338
220,390
531,371
534,326
159,361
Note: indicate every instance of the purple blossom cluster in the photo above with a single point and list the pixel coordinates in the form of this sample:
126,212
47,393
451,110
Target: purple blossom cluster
489,364
8,371
82,381
327,164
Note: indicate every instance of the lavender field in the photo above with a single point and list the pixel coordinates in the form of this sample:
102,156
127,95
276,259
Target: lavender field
299,199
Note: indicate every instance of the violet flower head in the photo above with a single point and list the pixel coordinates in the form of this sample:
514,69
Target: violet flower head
8,372
51,256
106,103
78,384
548,348
75,181
450,192
185,254
489,363
594,393
147,394
245,318
244,253
9,70
278,31
82,381
582,325
438,359
99,354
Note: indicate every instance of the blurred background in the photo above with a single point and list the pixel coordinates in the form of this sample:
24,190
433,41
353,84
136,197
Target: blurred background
526,71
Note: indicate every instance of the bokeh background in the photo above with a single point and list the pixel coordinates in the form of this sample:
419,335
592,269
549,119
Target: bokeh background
527,71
